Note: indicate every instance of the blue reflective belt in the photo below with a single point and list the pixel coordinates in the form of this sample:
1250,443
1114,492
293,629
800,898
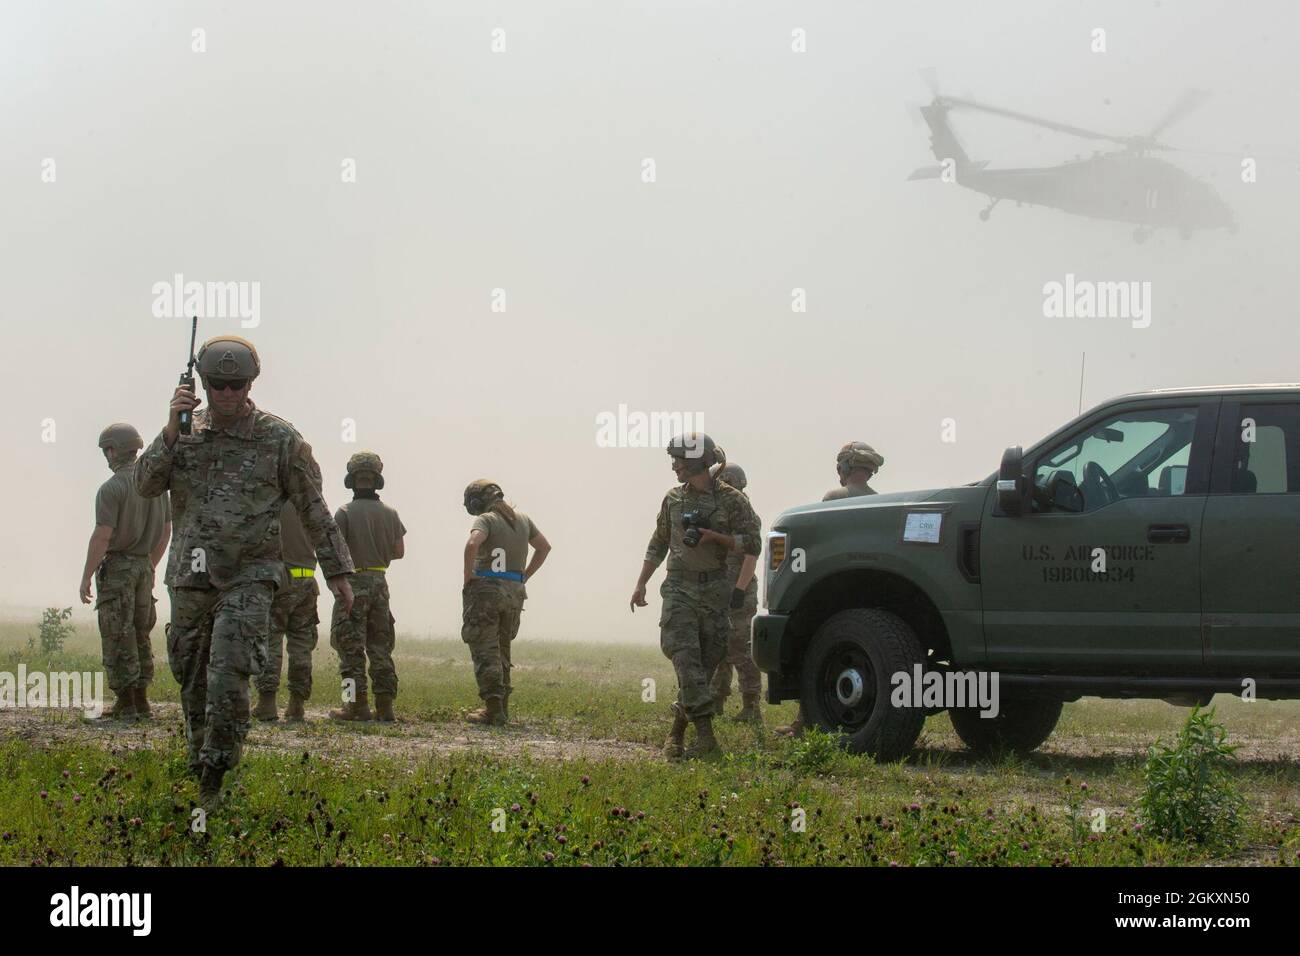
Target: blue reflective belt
508,575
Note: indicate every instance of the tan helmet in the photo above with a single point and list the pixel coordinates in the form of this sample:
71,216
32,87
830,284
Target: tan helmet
480,494
697,449
733,475
857,454
228,356
364,462
120,436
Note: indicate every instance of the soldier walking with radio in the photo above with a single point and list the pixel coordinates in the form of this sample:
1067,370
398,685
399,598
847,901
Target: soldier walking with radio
699,522
496,567
230,468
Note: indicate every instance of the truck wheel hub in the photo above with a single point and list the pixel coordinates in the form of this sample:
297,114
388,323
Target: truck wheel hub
849,687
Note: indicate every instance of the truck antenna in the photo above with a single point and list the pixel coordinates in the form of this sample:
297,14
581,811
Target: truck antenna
1083,361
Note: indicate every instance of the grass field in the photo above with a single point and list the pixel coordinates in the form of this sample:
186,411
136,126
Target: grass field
577,778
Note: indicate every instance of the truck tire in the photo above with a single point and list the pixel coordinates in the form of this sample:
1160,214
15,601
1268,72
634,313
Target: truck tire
1020,726
846,682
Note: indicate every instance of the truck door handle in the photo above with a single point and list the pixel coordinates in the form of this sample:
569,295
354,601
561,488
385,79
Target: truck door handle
1169,534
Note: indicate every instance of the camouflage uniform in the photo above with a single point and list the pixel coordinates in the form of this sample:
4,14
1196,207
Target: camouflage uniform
124,599
693,623
369,631
739,621
490,621
228,486
127,614
293,613
374,533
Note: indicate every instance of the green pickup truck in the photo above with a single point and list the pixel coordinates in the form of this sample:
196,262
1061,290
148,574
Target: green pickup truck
1149,548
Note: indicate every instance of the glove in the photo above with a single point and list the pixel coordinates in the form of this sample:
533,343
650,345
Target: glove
737,599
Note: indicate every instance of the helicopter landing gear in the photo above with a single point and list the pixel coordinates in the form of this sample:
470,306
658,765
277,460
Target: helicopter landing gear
984,213
1141,234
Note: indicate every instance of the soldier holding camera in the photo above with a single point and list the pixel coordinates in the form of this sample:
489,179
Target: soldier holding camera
700,521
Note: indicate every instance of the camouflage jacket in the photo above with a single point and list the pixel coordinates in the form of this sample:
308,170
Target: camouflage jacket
726,510
227,488
736,558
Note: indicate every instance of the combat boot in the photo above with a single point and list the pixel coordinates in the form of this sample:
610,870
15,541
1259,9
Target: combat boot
490,713
295,711
265,709
124,707
210,788
749,712
796,727
673,746
358,709
706,745
142,702
384,708
505,705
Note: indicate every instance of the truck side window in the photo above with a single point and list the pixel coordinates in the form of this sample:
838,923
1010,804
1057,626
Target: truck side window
1136,454
1266,460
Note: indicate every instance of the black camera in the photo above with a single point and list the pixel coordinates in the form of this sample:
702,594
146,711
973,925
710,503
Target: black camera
693,521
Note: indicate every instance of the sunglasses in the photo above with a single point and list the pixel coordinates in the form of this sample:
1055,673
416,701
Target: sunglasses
227,384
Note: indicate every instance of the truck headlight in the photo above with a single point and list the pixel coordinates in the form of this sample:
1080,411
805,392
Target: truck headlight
775,550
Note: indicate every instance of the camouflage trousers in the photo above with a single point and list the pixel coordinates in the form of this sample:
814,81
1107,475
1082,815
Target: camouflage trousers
738,656
489,622
369,631
216,640
125,604
293,622
693,629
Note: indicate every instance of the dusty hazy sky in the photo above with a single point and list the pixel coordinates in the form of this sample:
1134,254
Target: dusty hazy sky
522,171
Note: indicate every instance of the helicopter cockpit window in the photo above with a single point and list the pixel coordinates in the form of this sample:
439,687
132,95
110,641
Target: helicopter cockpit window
1134,455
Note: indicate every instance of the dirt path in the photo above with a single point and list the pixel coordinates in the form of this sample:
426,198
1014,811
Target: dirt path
406,740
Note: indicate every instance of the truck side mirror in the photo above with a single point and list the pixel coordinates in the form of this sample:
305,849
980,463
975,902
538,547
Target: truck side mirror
1011,482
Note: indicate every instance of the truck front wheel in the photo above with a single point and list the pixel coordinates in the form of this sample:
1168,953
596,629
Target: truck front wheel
846,683
1020,726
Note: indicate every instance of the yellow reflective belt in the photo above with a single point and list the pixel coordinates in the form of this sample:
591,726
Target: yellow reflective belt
302,572
381,568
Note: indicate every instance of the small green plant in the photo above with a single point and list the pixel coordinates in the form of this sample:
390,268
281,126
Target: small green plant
55,629
815,752
1189,795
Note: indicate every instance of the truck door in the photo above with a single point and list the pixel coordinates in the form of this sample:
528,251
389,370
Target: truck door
1103,570
1250,549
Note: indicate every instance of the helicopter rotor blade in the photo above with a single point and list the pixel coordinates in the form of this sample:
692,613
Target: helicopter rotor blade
1035,120
1187,103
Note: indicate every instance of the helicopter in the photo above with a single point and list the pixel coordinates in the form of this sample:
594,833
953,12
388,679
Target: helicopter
1123,185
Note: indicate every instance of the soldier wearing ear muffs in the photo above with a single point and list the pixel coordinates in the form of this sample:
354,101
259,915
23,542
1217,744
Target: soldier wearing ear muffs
374,534
496,567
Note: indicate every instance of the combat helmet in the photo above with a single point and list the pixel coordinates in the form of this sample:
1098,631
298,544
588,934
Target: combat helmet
367,463
479,495
697,449
857,454
228,356
120,436
733,475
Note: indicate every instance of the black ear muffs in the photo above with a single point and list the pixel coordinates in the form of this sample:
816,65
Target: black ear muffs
347,481
474,505
379,482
